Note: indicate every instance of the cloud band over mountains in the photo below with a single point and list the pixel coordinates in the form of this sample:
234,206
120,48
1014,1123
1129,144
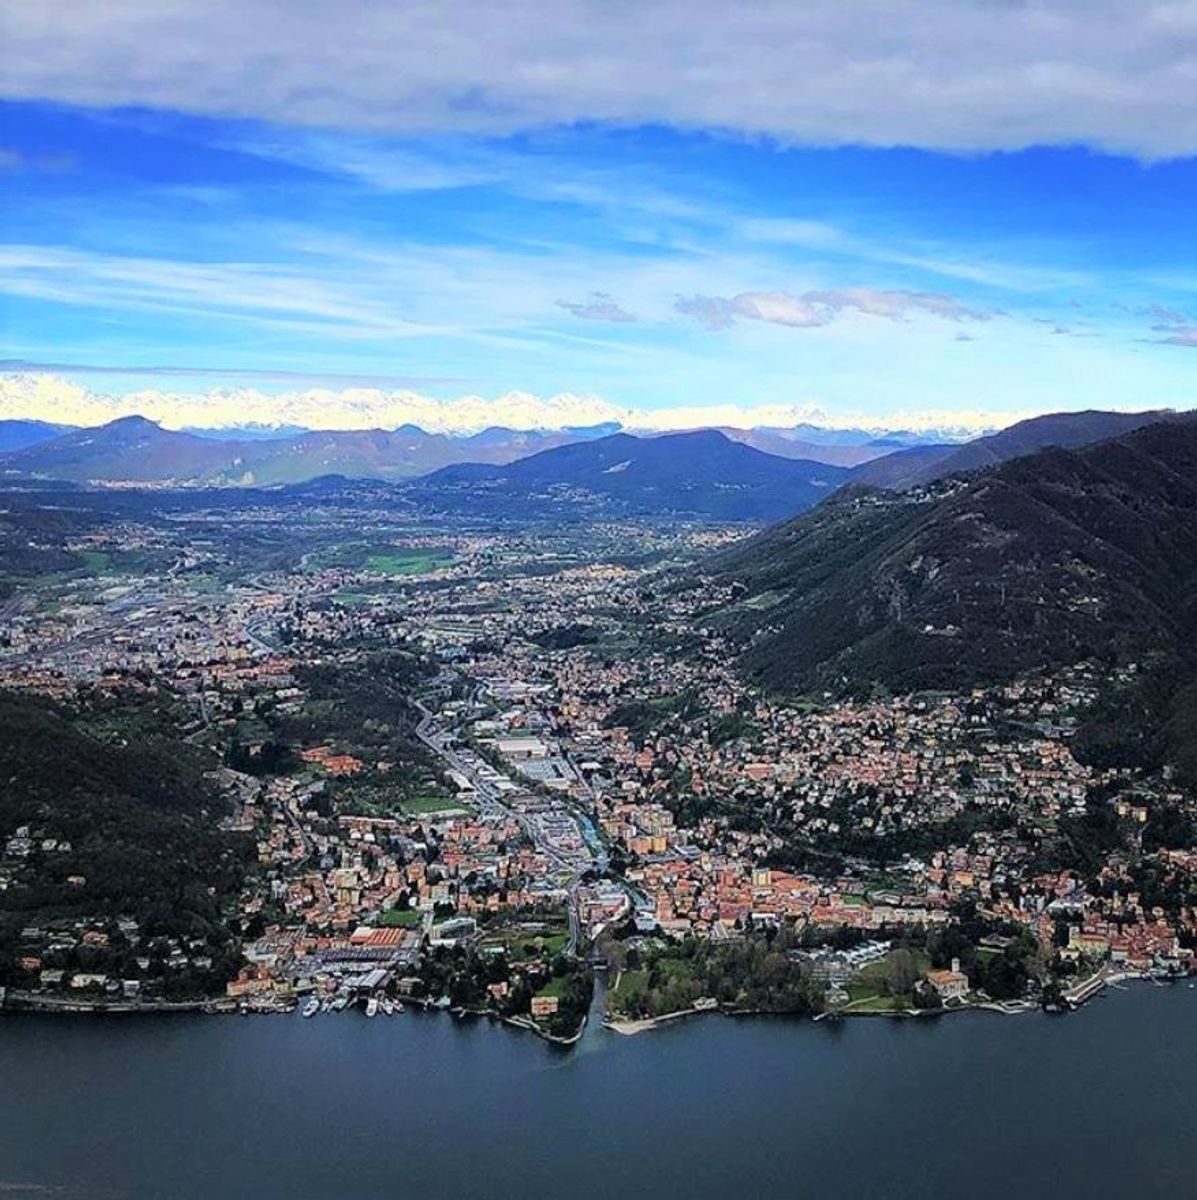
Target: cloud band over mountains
48,397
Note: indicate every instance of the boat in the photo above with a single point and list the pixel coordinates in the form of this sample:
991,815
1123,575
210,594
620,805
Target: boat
311,1008
339,1003
399,1006
388,1007
372,1006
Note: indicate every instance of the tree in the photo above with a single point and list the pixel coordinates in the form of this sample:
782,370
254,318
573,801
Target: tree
1053,995
901,973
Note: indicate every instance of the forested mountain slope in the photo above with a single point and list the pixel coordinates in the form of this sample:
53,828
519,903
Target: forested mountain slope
1043,561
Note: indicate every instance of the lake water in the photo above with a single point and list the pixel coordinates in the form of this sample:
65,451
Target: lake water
1100,1103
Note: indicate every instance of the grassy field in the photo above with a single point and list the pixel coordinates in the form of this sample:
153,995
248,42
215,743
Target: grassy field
875,1003
520,944
384,559
632,984
356,597
420,806
116,562
866,993
408,562
554,987
96,561
402,917
629,989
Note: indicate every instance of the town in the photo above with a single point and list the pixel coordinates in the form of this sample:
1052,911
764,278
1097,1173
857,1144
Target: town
475,766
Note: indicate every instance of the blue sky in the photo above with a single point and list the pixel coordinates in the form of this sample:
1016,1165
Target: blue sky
171,248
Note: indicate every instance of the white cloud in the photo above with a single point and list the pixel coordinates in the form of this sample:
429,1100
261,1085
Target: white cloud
599,306
896,305
778,308
959,75
813,309
272,292
50,397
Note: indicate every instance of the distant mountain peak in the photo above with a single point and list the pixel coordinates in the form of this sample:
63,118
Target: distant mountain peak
699,472
133,422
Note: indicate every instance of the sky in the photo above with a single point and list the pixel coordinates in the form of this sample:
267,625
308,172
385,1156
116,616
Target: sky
948,214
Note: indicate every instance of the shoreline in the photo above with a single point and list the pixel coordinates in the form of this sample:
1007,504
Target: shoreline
53,1006
1087,990
1093,987
644,1024
211,1006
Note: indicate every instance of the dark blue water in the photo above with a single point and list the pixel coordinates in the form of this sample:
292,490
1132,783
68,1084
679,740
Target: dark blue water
1101,1103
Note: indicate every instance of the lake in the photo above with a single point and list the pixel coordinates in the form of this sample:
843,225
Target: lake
1099,1103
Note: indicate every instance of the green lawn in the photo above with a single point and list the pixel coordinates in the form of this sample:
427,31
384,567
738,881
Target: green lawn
405,917
418,806
522,944
629,989
874,973
383,559
866,992
632,984
408,562
355,597
554,987
873,1003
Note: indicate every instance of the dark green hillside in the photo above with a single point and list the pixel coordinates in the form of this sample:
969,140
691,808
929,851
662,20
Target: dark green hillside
32,536
1044,561
140,820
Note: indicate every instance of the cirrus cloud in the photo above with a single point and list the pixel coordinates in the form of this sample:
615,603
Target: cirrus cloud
812,309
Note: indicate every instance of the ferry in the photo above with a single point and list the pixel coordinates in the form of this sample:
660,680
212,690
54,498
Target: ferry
372,1006
311,1008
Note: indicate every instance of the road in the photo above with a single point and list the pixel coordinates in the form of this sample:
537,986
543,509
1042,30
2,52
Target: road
439,741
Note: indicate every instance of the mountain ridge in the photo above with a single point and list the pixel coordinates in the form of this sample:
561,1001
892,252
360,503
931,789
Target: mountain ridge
1068,430
1042,561
699,473
136,450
